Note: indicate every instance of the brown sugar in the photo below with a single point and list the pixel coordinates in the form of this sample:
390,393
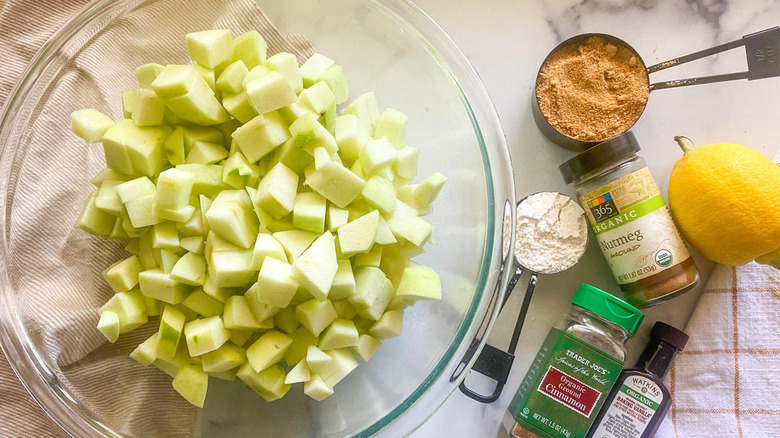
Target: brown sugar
592,91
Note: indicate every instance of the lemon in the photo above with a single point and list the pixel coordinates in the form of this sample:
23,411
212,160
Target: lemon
725,199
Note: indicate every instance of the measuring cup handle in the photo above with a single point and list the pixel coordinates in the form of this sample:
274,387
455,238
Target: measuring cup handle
512,283
523,311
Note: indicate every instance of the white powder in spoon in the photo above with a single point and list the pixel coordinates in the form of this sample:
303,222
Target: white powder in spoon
551,233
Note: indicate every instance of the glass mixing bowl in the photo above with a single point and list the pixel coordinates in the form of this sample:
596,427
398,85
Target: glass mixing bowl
50,282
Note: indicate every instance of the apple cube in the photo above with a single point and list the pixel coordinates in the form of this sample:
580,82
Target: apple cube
276,191
146,352
203,152
268,384
270,92
389,325
208,178
192,383
231,79
193,244
134,149
268,350
302,340
334,77
406,162
155,283
239,106
341,333
201,303
373,292
343,283
366,109
314,67
299,373
308,134
90,124
309,211
260,309
261,135
287,65
94,220
316,388
343,363
230,268
276,283
384,236
366,346
286,320
266,246
108,174
238,172
149,109
190,269
123,275
371,258
318,97
406,224
210,47
188,95
351,135
224,358
392,126
317,266
380,194
231,218
174,146
336,217
129,308
292,156
250,48
315,315
336,183
317,360
426,191
129,99
419,283
174,188
169,333
238,316
205,335
147,73
376,154
108,324
358,236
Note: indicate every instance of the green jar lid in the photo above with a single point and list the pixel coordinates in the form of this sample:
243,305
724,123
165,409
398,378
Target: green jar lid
609,307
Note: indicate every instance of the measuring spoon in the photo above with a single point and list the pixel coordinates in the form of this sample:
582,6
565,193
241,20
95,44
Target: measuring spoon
493,362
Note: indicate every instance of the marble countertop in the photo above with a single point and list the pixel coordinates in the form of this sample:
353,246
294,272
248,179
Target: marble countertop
506,41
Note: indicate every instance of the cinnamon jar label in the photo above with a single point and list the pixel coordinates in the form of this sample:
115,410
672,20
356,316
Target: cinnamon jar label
633,227
565,387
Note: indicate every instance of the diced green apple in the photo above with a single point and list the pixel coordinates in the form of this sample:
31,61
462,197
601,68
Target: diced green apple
190,269
224,358
317,266
238,316
314,67
276,191
316,388
266,246
341,333
336,183
204,335
147,73
129,308
308,134
302,340
316,315
268,350
231,217
188,95
123,275
210,47
231,268
108,324
268,384
170,333
286,64
157,284
351,135
366,109
149,109
191,382
318,97
200,302
334,77
380,194
389,325
299,373
146,352
275,283
309,211
295,242
270,92
343,283
90,124
366,347
392,126
286,320
250,48
231,79
358,236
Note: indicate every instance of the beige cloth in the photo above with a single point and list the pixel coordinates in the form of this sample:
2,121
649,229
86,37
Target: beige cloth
56,268
725,383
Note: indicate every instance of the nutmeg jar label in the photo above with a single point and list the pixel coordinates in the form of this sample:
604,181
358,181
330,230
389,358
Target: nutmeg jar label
633,227
565,387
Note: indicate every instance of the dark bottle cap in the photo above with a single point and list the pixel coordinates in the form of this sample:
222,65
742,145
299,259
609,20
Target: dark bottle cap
603,154
670,335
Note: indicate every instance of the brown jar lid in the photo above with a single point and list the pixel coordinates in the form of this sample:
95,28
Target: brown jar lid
600,155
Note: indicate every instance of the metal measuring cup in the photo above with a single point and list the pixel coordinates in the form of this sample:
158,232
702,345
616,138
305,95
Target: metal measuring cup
763,59
493,362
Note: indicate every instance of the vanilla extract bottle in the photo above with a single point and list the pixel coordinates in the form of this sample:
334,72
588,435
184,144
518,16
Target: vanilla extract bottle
638,402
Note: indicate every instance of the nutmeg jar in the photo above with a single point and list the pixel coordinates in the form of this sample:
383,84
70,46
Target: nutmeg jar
631,222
